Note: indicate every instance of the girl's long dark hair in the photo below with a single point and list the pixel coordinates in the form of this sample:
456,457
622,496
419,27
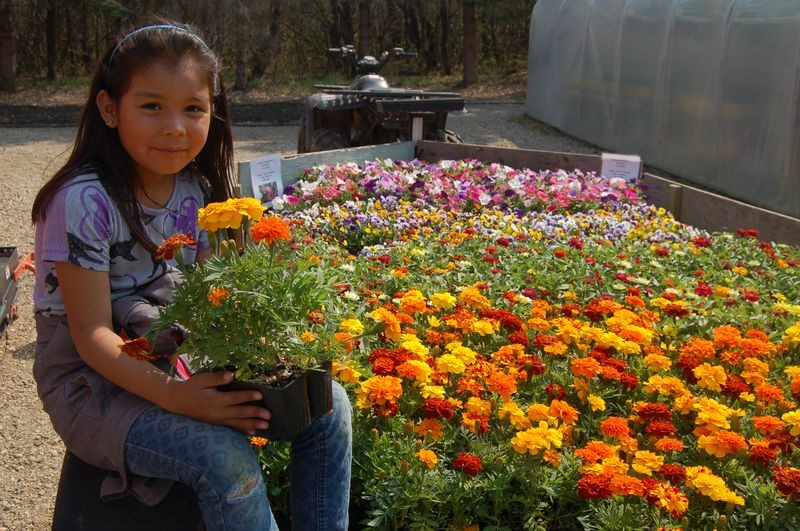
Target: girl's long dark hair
97,148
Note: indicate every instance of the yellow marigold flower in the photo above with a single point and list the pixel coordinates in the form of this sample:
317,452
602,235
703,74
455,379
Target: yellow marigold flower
482,327
434,321
581,387
465,354
536,439
381,390
645,462
739,270
351,326
664,385
346,372
229,214
427,457
432,391
791,338
657,362
413,344
711,377
596,403
701,479
792,418
670,499
516,417
472,296
307,336
443,301
393,330
478,406
712,413
450,364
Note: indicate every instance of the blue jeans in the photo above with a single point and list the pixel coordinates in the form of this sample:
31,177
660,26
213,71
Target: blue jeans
220,465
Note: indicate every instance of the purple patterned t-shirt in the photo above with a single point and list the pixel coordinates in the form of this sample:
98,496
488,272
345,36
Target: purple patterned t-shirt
83,226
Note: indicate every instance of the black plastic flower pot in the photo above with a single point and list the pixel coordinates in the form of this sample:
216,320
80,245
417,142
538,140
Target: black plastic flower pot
293,406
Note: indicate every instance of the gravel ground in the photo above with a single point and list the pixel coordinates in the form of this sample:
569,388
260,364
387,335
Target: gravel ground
30,452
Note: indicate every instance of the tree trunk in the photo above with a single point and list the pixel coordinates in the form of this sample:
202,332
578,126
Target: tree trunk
50,37
444,20
8,52
240,46
365,28
470,43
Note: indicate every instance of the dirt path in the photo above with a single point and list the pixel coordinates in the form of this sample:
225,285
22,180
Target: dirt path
30,452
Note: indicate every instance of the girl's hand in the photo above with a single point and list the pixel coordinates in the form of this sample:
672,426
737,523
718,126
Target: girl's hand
199,398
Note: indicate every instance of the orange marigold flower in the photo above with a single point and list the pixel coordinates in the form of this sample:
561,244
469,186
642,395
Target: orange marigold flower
502,384
562,410
258,442
585,367
787,480
669,444
427,457
726,337
270,230
429,428
767,424
698,348
218,295
722,443
769,393
382,389
167,249
594,486
615,427
626,485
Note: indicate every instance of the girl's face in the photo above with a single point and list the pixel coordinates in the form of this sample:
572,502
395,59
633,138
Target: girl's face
163,118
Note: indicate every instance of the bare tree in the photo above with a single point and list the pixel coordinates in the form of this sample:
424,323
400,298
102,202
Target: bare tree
365,28
240,45
469,17
8,52
444,47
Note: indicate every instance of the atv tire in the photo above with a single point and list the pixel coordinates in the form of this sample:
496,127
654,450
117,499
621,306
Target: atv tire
325,139
445,135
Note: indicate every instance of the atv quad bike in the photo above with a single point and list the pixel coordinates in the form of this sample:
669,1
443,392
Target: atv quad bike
369,111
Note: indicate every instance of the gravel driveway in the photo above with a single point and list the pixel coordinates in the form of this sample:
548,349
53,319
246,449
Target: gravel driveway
30,452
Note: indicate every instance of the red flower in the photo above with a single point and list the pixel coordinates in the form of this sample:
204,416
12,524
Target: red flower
661,428
629,380
434,408
139,348
762,454
555,392
673,472
747,233
703,289
787,480
383,366
701,241
389,409
654,411
468,463
594,486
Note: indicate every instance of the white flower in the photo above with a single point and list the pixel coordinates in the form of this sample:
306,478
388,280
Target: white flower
351,295
278,203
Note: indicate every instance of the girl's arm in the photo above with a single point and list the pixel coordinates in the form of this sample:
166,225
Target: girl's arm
87,300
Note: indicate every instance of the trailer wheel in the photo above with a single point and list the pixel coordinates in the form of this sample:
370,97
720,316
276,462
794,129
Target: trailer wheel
325,139
445,135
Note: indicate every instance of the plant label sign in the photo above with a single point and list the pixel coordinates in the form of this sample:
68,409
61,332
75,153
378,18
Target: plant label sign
625,167
265,175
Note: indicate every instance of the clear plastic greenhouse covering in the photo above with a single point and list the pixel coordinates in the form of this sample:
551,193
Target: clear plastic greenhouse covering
704,89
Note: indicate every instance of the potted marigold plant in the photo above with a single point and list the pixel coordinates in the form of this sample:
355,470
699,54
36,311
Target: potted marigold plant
264,309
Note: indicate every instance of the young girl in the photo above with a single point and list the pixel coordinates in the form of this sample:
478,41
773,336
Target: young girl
153,144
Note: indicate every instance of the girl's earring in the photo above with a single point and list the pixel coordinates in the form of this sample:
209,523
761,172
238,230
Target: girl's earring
111,124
